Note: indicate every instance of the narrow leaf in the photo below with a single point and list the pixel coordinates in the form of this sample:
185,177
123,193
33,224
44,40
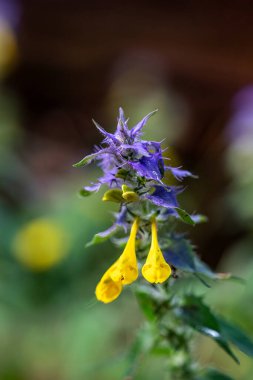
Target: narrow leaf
236,336
195,313
103,236
184,216
213,374
85,193
87,159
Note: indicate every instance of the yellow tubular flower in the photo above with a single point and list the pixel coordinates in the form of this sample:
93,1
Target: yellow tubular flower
155,270
107,290
125,269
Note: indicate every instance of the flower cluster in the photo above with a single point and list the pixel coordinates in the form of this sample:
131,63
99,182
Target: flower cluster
134,171
125,270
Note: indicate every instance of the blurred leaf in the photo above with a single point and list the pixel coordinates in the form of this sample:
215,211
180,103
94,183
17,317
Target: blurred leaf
146,304
214,375
199,218
184,216
195,313
103,236
86,160
122,173
143,344
85,193
236,336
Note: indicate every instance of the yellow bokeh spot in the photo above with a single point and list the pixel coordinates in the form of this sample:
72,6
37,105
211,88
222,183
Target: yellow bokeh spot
40,244
155,270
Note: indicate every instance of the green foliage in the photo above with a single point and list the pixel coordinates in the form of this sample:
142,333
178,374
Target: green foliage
84,193
86,160
184,216
199,316
236,336
214,375
101,237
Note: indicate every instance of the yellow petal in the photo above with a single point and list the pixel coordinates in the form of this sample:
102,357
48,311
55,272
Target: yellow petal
108,290
155,270
125,269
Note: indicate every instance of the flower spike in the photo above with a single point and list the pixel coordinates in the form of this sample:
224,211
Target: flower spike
155,270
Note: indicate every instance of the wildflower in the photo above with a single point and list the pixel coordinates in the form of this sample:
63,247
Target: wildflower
155,270
134,169
125,268
40,244
123,272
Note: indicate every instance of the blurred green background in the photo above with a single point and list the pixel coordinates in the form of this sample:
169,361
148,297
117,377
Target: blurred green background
63,63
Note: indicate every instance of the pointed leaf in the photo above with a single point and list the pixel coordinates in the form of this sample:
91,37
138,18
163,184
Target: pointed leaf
184,216
199,218
195,313
103,236
236,336
87,159
85,193
213,374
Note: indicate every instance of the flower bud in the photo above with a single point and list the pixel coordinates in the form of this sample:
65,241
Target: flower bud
113,195
129,195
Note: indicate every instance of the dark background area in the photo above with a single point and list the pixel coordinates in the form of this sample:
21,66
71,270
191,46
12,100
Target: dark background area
71,51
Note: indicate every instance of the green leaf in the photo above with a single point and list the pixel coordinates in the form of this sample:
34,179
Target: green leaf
150,299
184,216
86,160
213,374
236,336
142,345
85,193
122,173
147,305
101,237
199,218
196,314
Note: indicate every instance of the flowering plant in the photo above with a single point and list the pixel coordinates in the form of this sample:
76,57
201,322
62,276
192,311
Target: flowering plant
134,170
